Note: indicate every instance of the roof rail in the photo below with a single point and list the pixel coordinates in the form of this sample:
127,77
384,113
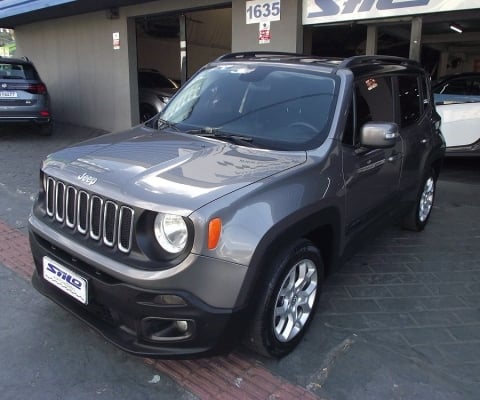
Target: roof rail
359,60
256,54
24,58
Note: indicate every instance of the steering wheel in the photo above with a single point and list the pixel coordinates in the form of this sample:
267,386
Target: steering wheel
304,125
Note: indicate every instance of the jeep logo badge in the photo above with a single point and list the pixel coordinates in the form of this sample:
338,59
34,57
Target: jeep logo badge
89,180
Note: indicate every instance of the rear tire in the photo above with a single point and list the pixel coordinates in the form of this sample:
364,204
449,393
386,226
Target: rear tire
416,219
287,303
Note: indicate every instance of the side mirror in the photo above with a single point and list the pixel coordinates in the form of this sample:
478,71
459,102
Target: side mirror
379,134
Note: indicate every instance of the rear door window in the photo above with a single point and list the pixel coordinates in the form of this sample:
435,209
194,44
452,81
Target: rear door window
373,101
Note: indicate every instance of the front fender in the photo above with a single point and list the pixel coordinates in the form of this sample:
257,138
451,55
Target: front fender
321,225
257,218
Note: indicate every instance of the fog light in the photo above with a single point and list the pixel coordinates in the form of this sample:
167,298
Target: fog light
158,329
169,300
182,326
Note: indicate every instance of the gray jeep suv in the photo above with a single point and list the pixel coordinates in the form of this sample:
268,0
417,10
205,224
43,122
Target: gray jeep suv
219,219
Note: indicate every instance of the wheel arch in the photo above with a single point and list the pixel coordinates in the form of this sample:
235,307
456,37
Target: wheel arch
321,227
437,165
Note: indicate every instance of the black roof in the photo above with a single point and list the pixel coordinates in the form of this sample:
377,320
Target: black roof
356,61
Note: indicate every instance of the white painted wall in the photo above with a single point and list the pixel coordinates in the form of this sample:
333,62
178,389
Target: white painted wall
93,85
88,81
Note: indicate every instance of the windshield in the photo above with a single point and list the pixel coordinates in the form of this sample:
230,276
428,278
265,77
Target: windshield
9,70
274,107
458,90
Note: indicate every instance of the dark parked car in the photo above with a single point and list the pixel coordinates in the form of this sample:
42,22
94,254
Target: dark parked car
23,95
221,217
154,92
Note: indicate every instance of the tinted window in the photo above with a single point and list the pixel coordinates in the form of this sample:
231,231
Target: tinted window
461,86
17,71
281,108
410,100
457,86
373,101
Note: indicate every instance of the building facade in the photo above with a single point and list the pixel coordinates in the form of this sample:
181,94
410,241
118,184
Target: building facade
89,52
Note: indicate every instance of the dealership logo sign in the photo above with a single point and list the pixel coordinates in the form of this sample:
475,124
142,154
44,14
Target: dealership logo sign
65,276
323,11
332,7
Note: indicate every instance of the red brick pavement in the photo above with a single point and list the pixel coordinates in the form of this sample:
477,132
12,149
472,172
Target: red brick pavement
15,250
232,377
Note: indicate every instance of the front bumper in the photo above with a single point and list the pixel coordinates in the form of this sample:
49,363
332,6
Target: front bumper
132,318
40,113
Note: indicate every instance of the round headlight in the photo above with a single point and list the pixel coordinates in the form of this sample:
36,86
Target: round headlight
171,232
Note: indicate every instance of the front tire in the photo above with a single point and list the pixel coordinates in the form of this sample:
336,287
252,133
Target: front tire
418,216
288,300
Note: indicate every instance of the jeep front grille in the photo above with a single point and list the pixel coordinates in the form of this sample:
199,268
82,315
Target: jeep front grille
89,214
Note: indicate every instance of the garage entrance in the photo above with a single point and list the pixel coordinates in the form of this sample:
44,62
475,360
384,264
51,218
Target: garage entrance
172,47
449,42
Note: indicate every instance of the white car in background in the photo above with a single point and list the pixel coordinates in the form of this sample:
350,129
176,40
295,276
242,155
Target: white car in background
457,100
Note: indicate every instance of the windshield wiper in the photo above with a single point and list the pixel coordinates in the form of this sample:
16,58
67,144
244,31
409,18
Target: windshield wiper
217,134
163,123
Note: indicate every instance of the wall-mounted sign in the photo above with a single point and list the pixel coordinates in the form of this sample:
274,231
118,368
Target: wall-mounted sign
258,11
327,11
264,32
116,40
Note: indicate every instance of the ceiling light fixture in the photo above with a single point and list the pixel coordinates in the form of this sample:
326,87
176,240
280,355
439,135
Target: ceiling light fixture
457,28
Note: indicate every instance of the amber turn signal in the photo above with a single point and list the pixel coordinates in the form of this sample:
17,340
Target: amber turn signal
214,231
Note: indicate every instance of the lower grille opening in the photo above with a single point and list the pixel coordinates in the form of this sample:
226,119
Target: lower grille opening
104,313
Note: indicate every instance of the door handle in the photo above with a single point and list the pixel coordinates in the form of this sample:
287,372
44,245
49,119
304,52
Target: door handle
394,157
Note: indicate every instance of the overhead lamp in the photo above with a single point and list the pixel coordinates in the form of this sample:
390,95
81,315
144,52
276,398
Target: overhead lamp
457,28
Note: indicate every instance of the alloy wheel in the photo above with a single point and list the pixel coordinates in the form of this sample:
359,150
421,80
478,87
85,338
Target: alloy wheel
295,300
426,199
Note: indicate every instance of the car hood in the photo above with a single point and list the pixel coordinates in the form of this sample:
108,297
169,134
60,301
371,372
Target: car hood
165,171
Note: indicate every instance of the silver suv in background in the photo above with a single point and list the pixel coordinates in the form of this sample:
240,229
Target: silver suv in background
220,218
23,96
